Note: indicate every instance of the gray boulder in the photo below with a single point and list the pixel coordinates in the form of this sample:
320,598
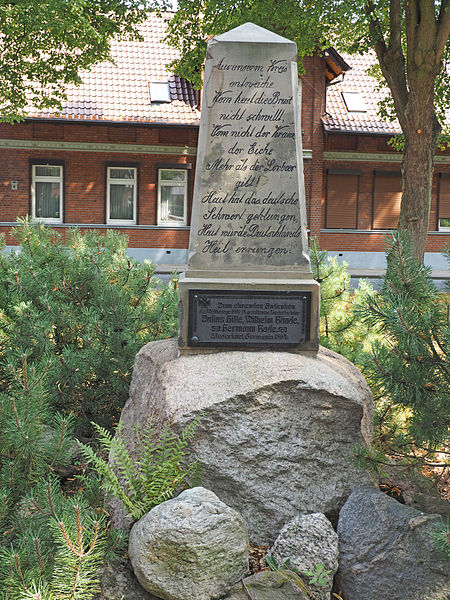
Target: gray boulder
277,431
385,551
306,541
193,546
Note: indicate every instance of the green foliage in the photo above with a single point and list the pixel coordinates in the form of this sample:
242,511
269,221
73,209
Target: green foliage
319,576
33,439
404,40
80,304
74,311
289,573
196,20
44,50
441,537
353,27
50,544
340,329
410,372
152,473
54,548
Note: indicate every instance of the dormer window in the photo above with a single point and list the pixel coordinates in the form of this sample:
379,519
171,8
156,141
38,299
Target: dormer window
354,102
159,91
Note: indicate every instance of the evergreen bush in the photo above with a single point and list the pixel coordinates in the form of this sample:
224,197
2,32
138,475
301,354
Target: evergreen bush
51,544
341,329
78,302
410,372
74,311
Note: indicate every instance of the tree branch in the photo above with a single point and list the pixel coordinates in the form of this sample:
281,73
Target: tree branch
375,29
391,59
443,30
395,28
411,17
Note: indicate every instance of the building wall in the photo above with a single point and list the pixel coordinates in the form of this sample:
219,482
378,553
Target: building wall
368,155
87,148
86,151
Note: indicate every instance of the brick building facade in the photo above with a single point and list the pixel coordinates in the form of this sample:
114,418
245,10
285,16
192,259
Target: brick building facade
121,155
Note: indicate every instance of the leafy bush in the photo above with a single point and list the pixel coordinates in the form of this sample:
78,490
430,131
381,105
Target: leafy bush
80,303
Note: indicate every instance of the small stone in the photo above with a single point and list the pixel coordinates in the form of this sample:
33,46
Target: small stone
266,585
193,546
306,541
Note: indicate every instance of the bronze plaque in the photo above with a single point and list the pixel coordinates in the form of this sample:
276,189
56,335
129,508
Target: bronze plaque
249,319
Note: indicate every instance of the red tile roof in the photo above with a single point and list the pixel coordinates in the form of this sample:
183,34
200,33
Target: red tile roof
119,91
338,118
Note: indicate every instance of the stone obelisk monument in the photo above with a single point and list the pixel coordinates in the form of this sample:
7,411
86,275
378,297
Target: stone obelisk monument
248,282
277,421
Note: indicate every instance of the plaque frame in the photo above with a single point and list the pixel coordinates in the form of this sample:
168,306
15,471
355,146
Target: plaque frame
305,318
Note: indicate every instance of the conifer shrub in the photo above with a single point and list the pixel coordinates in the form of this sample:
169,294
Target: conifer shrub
341,329
409,372
81,304
51,544
74,311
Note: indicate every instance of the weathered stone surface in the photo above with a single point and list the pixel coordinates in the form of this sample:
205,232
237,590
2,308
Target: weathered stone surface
249,160
266,585
277,429
193,546
118,582
306,541
385,551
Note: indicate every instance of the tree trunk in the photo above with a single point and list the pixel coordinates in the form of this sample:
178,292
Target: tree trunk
417,171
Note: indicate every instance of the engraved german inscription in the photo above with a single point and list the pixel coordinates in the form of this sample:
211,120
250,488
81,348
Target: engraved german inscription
234,318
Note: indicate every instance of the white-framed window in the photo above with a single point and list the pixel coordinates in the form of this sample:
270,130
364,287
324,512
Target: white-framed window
172,196
444,202
121,195
47,193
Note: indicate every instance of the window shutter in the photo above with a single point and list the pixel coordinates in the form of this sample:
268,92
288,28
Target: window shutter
387,196
341,201
444,197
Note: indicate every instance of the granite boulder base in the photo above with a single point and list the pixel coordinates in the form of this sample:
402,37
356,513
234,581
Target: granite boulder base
277,431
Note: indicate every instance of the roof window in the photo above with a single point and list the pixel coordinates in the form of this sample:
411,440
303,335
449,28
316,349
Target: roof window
354,102
159,91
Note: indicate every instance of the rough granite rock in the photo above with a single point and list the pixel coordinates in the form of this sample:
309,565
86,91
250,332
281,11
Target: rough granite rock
277,430
306,541
385,551
193,546
118,582
266,585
